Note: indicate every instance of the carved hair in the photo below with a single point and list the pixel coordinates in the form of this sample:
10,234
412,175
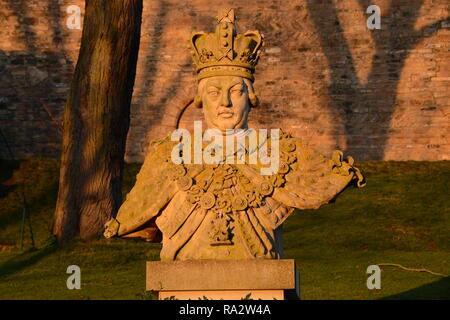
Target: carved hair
252,97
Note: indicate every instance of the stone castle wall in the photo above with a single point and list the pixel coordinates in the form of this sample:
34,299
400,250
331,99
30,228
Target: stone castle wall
377,94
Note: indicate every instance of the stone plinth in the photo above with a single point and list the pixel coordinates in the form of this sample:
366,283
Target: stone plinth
224,279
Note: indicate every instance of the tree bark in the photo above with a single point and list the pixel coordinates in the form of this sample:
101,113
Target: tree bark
96,119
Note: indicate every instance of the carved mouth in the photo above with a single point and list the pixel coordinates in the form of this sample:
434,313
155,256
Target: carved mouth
226,114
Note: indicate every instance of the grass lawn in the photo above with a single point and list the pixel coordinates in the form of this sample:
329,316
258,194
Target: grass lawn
402,216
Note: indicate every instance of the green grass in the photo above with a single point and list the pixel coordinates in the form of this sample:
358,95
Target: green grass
402,216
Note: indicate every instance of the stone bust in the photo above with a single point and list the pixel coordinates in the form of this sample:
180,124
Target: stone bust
227,209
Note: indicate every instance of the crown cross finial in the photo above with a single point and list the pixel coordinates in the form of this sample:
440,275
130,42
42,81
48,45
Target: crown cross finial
225,15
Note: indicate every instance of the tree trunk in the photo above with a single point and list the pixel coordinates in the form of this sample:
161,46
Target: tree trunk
96,119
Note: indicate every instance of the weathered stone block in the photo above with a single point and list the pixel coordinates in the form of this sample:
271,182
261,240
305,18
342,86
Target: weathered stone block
228,279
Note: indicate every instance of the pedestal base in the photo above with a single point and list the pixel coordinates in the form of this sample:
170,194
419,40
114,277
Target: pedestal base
224,279
223,294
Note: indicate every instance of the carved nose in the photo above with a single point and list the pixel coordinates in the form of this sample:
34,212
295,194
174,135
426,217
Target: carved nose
226,100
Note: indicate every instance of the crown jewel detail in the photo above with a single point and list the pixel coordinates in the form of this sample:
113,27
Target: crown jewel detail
225,52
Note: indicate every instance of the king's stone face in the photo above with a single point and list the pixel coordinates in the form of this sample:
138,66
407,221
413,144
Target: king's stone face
225,102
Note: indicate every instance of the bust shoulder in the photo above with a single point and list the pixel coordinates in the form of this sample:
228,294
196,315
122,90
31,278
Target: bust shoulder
160,149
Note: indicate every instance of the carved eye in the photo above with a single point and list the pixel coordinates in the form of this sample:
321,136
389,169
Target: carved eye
213,93
237,90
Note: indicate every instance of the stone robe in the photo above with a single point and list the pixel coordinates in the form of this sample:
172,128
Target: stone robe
229,211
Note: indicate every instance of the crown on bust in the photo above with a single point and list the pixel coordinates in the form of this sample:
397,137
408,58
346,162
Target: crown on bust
226,53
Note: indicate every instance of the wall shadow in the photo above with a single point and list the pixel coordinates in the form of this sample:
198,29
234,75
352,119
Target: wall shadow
152,66
27,82
28,79
367,133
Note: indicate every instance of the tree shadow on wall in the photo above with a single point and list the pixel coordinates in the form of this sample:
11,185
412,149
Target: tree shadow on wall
29,103
26,24
438,290
151,75
393,43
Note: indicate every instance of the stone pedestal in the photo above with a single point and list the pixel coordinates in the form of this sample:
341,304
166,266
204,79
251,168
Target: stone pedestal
224,279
